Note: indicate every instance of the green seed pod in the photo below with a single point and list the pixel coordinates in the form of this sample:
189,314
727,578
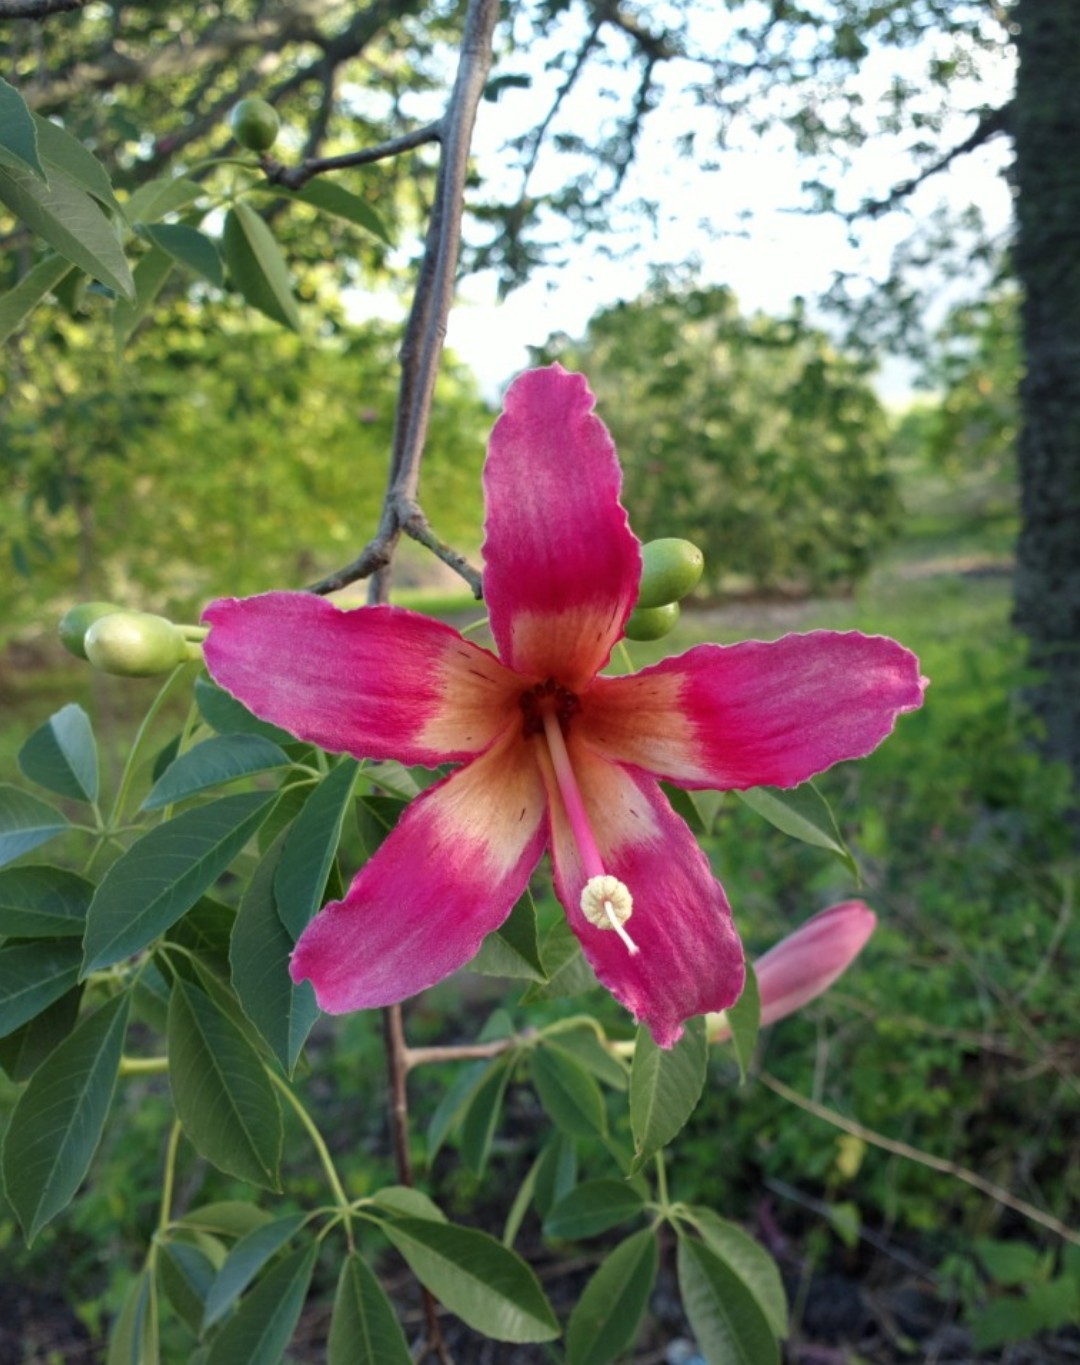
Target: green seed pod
134,644
255,125
75,623
650,623
670,569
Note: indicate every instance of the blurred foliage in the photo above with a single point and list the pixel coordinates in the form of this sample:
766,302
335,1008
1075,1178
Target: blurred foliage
228,456
750,436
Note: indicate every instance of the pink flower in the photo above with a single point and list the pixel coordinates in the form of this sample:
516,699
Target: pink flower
805,964
553,755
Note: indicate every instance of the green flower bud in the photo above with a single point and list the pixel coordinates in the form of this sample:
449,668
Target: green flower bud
75,623
670,569
134,644
255,125
650,623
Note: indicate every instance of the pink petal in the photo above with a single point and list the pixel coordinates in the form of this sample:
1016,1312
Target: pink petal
448,874
377,682
805,964
689,959
561,563
755,714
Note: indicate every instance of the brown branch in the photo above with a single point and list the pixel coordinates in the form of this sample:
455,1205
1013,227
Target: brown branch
426,328
990,125
296,177
457,1052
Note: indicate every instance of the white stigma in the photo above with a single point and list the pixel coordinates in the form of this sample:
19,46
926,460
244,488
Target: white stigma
607,903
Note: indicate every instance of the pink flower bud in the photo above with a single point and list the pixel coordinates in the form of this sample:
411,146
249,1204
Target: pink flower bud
806,963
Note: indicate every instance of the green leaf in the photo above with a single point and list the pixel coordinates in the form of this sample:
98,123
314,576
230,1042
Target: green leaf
229,1217
376,816
567,970
310,845
133,1339
512,950
1009,1263
149,280
607,1317
744,1020
803,813
61,755
186,1275
726,1318
363,1328
18,303
18,134
157,198
556,1172
212,763
190,248
161,876
259,962
22,1052
665,1086
69,220
244,1262
485,1284
523,1197
749,1261
568,1093
592,1208
57,1121
342,203
265,1321
62,152
588,1051
482,1113
451,1108
228,716
25,823
406,1202
43,902
257,267
222,1093
32,976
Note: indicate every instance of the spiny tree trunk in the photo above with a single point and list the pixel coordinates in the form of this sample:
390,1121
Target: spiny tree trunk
1047,138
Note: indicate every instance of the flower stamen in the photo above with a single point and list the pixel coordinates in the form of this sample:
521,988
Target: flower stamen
605,901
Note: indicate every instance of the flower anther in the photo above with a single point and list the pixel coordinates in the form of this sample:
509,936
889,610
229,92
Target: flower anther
607,903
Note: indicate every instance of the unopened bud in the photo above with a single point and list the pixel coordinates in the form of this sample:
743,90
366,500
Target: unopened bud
135,644
652,623
75,623
670,569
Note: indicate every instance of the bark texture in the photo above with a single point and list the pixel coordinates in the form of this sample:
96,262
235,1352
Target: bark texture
1046,125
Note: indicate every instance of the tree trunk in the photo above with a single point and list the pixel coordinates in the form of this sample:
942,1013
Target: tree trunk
1047,140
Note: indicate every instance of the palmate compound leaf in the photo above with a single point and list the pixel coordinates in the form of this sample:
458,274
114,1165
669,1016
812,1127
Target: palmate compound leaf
484,1283
263,1325
57,1121
308,854
223,1096
607,1317
665,1086
748,1260
257,267
164,873
728,1321
25,823
61,755
259,962
364,1329
804,814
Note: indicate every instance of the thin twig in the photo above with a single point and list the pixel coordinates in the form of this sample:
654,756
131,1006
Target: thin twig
935,1163
463,1052
296,177
426,328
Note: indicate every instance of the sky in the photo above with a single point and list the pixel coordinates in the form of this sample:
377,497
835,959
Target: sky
736,221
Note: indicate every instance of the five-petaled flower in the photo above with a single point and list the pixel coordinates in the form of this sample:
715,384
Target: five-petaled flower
554,754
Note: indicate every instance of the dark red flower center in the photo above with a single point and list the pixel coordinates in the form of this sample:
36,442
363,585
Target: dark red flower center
547,696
